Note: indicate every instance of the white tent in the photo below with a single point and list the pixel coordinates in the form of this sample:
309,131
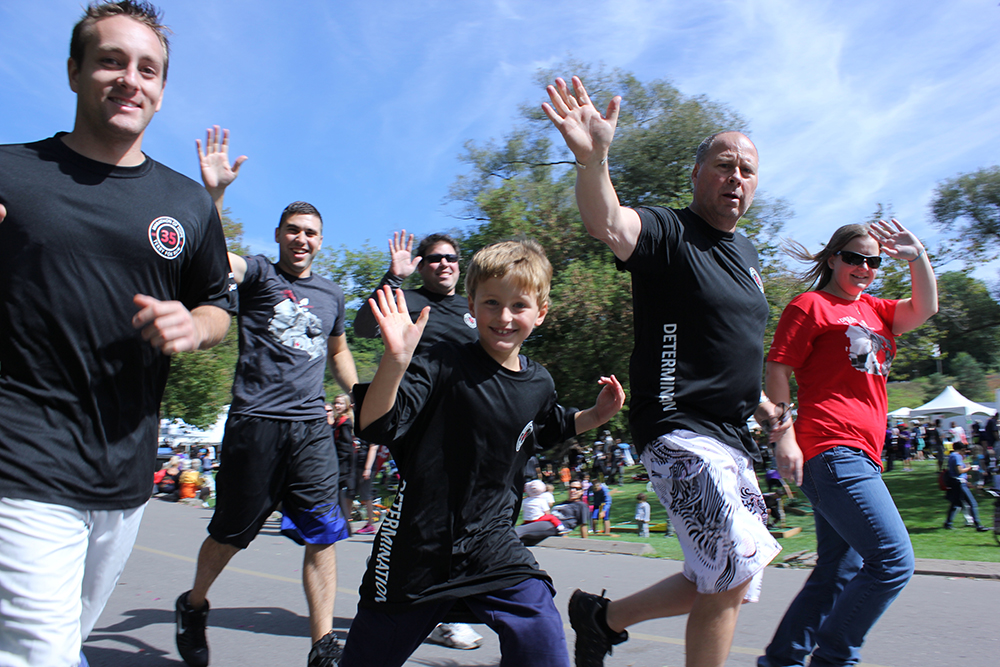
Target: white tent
950,402
901,413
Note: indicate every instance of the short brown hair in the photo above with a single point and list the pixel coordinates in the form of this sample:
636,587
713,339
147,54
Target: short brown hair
143,12
523,260
299,208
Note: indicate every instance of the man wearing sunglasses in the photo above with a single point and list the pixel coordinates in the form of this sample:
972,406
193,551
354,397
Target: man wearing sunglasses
436,260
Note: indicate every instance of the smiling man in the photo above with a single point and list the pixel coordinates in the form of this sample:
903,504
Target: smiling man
696,368
277,447
109,263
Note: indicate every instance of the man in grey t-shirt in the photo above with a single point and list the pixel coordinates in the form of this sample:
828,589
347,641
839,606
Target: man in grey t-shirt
291,324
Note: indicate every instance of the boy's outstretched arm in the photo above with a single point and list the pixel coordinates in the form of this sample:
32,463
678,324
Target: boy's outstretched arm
609,402
400,336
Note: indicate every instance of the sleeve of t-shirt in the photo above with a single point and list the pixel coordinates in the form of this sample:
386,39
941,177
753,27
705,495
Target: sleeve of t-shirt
884,308
793,339
364,322
411,397
657,240
558,425
208,279
255,269
341,322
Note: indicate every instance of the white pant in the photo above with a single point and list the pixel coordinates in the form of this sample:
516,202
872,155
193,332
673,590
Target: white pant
58,567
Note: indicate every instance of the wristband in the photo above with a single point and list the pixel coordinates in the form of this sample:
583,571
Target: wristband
918,256
580,165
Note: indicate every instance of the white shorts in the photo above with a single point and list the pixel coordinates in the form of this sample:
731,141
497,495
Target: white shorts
711,493
58,567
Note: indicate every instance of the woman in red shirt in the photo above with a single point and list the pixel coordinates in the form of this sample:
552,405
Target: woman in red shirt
839,342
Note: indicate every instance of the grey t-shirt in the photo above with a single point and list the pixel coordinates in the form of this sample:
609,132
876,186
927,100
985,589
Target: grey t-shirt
285,324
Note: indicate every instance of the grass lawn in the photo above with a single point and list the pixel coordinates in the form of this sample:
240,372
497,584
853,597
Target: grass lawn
920,502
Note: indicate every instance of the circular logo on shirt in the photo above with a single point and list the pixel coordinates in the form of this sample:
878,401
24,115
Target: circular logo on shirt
756,279
469,320
166,235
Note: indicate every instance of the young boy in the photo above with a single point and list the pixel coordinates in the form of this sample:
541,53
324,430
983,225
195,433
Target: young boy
642,515
461,421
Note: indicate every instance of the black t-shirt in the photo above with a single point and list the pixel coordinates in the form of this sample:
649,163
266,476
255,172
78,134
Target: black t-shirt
700,314
450,319
285,325
79,389
460,432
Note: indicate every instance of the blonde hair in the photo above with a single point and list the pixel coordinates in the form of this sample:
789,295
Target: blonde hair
350,409
523,260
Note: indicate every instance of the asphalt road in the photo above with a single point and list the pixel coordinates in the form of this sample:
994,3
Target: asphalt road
259,613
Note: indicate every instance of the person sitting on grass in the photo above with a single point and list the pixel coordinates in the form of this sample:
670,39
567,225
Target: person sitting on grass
461,421
574,513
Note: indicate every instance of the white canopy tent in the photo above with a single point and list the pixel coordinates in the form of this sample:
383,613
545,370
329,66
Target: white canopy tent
900,414
950,402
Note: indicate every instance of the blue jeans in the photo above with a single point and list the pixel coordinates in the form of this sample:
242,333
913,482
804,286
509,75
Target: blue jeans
961,495
864,559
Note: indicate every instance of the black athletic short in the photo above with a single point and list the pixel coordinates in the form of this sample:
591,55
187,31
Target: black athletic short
267,461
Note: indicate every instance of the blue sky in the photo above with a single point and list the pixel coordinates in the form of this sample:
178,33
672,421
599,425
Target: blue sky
362,108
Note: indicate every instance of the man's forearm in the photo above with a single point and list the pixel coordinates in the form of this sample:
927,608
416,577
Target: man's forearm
212,324
344,370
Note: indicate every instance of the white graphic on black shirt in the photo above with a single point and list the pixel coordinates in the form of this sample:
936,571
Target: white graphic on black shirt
866,347
294,326
525,432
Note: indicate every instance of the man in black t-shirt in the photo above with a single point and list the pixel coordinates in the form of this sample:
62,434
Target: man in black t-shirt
695,378
278,446
436,260
109,263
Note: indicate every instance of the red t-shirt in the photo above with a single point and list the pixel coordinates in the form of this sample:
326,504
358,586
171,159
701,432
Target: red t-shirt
841,352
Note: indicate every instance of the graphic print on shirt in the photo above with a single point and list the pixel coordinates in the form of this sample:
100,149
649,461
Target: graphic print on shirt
868,351
525,432
295,326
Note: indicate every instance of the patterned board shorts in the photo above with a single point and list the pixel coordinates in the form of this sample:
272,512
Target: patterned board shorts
710,492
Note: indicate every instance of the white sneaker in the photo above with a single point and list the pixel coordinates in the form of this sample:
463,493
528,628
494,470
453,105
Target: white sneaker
455,635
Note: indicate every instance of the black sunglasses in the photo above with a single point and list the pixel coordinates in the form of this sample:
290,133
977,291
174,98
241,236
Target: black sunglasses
437,257
857,259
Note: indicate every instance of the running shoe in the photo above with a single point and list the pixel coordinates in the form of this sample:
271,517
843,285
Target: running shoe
455,635
191,641
367,529
326,652
594,638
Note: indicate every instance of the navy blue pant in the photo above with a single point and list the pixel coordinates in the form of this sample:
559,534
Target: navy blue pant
523,616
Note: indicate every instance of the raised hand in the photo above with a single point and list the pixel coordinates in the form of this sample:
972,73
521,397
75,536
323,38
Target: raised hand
403,263
399,333
587,133
897,241
611,399
213,157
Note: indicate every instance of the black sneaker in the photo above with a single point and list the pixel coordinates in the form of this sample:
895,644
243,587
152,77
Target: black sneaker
326,652
594,639
191,641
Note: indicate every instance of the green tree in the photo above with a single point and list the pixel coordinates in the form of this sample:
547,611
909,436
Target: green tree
967,318
968,206
970,379
936,383
200,383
